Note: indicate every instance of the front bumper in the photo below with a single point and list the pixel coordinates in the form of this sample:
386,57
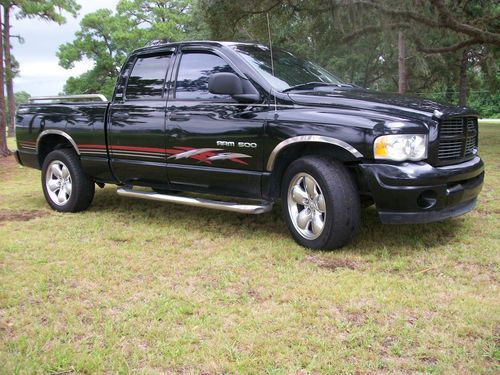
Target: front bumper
411,193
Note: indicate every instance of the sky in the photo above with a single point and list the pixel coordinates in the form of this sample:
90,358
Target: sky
40,73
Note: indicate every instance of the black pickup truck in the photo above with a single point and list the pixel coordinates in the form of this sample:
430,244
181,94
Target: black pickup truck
222,118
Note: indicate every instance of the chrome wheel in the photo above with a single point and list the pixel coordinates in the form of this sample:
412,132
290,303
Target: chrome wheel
58,183
306,206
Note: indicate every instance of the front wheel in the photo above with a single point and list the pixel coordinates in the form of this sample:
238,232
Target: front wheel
320,203
65,185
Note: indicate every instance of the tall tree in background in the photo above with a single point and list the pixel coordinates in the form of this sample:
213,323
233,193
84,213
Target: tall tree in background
8,69
4,150
48,10
103,38
401,62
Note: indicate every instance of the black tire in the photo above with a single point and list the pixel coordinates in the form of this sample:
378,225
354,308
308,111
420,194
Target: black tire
338,210
82,189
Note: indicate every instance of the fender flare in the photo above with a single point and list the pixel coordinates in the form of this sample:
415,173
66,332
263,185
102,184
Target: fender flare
57,132
308,139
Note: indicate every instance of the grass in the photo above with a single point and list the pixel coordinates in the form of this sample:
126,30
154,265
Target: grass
132,286
489,121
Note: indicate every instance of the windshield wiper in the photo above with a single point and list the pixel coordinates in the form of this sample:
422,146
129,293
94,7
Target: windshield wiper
308,85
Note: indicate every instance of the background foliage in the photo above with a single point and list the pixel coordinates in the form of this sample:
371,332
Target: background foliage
357,39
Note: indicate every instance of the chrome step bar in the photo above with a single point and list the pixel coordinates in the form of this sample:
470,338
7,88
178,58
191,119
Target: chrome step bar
261,208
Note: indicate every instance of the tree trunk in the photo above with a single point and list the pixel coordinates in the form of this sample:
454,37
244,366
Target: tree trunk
401,63
8,71
462,85
4,150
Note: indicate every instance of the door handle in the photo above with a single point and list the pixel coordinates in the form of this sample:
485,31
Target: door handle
121,115
176,116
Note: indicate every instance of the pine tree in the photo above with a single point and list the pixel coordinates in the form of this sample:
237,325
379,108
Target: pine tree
4,150
49,10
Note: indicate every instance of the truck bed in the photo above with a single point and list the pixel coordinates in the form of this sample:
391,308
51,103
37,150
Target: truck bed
82,121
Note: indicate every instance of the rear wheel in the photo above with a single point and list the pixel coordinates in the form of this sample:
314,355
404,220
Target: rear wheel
65,185
320,203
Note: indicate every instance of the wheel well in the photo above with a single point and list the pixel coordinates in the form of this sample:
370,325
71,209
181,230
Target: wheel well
49,143
296,151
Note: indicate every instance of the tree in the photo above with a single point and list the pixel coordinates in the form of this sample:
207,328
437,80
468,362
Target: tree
359,37
157,19
21,97
103,38
106,38
448,27
326,32
4,150
476,22
8,69
49,10
402,62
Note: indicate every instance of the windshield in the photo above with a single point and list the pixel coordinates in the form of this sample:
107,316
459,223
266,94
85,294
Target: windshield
288,70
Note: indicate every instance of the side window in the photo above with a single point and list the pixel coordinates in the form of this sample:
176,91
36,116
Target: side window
194,71
122,80
148,77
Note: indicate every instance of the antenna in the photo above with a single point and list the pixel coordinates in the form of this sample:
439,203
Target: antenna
272,60
270,43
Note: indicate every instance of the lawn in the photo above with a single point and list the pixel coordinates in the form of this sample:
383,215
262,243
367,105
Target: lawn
137,286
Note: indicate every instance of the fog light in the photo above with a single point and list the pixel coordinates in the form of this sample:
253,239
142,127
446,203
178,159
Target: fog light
427,199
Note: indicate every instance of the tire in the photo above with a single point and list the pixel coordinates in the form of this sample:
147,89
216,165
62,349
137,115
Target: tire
321,204
65,185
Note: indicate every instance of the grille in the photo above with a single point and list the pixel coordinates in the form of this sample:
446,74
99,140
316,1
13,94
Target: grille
450,149
470,146
452,127
457,138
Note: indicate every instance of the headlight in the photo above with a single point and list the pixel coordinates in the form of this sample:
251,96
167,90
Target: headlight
399,147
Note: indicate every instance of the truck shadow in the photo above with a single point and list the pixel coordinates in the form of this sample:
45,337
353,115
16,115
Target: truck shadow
373,235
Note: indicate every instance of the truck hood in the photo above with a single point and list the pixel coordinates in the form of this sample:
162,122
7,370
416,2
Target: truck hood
404,106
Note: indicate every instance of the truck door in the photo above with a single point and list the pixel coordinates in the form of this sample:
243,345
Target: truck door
137,121
214,143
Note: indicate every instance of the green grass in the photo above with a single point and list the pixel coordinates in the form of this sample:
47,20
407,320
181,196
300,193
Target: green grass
489,121
135,286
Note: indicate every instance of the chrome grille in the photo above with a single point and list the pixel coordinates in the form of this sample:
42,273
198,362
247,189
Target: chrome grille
470,146
452,127
471,126
450,149
457,138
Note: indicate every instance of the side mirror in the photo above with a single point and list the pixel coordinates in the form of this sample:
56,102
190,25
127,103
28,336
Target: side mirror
231,84
225,84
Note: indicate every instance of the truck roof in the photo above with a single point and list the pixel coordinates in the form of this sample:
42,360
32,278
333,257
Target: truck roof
157,45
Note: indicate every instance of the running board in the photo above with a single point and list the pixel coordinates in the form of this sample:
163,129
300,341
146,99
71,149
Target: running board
197,202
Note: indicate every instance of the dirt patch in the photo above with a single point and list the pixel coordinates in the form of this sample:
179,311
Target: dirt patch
429,361
332,264
8,215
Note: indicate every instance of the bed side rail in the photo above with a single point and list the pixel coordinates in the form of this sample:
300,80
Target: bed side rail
69,98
